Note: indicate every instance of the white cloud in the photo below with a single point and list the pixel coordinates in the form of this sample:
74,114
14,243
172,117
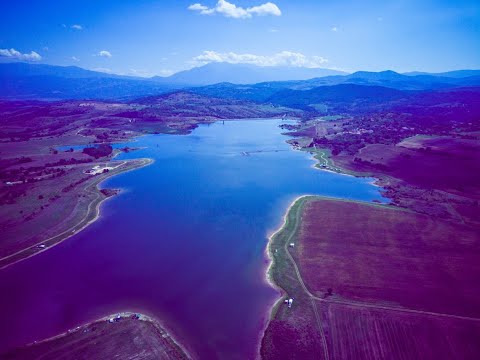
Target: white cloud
104,70
147,74
105,53
265,9
74,58
14,54
76,27
165,72
284,58
227,9
140,72
204,10
334,29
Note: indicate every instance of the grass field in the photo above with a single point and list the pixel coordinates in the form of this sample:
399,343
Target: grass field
372,282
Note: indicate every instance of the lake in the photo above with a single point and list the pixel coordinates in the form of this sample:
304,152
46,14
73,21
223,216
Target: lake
184,242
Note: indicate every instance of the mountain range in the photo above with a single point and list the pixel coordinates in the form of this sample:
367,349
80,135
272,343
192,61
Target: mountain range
235,81
214,73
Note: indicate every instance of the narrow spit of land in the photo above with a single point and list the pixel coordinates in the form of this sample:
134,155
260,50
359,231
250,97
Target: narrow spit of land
86,212
347,304
125,335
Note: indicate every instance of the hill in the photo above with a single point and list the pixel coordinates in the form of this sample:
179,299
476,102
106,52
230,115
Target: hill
338,98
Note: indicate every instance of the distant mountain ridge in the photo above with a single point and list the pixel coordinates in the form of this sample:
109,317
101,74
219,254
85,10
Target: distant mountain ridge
452,74
19,69
221,80
387,79
25,80
214,73
48,82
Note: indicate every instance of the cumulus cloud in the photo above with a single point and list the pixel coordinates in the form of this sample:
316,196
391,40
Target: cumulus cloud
105,53
284,58
227,9
204,10
76,27
17,55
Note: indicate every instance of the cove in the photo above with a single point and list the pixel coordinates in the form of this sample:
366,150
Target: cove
184,242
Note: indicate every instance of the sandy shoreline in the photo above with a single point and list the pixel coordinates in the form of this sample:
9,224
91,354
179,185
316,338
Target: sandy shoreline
268,276
91,215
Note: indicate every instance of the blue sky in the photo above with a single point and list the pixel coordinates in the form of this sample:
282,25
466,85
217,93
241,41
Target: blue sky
158,37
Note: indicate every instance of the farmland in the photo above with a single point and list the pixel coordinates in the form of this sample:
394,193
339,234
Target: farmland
356,332
367,254
366,288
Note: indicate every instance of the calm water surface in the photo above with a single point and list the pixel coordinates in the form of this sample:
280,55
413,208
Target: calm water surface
184,242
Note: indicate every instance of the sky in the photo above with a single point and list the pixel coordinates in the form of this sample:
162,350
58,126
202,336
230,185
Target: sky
160,37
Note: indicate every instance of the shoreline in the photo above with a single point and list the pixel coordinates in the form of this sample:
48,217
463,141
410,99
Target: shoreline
271,264
268,277
271,267
92,214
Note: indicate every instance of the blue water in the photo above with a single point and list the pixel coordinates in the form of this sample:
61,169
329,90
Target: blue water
184,242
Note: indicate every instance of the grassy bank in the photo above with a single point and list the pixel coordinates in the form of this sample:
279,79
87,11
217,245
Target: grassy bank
325,162
289,331
282,271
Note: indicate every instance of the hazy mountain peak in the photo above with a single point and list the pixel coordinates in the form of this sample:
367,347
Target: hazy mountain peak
214,73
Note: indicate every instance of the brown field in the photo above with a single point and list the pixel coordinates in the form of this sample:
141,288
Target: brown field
373,282
375,254
125,338
367,334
